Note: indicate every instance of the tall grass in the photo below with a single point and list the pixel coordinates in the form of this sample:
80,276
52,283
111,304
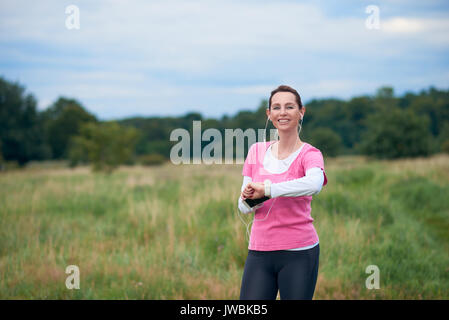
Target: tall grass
172,232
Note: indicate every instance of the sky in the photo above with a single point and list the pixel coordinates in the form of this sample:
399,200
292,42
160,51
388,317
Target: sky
167,58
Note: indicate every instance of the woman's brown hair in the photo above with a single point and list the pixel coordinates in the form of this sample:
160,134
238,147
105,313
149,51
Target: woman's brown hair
284,88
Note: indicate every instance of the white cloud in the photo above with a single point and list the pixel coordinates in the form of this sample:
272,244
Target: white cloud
258,89
164,53
429,31
405,25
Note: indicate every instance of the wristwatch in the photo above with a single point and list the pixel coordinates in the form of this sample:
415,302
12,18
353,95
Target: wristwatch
267,184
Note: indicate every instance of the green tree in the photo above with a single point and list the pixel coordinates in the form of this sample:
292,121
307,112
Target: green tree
396,134
104,145
435,104
20,126
62,120
1,157
355,111
328,113
443,138
326,140
385,92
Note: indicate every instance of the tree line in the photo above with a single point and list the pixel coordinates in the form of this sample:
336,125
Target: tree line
381,125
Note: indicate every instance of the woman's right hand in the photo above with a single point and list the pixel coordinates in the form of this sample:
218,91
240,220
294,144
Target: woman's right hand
247,192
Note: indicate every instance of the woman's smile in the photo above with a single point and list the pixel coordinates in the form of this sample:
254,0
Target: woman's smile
283,121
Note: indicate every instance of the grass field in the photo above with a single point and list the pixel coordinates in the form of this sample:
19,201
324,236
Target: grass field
173,232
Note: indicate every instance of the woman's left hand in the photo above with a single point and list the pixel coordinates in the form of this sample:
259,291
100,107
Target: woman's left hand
259,190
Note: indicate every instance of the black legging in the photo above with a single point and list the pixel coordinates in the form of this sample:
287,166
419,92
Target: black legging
294,273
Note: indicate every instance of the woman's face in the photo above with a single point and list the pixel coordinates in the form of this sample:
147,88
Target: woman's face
285,113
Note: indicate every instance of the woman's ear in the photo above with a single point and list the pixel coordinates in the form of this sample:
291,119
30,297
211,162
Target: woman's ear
303,109
268,114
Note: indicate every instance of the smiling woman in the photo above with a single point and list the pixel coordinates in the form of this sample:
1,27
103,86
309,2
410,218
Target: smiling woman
287,116
284,246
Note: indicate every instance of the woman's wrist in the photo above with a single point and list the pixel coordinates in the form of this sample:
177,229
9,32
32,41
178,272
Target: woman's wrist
267,187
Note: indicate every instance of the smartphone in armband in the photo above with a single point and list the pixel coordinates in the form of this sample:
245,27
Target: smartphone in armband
251,203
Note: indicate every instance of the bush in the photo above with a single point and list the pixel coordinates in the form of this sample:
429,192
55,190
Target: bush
104,145
445,146
9,165
151,159
326,140
396,134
